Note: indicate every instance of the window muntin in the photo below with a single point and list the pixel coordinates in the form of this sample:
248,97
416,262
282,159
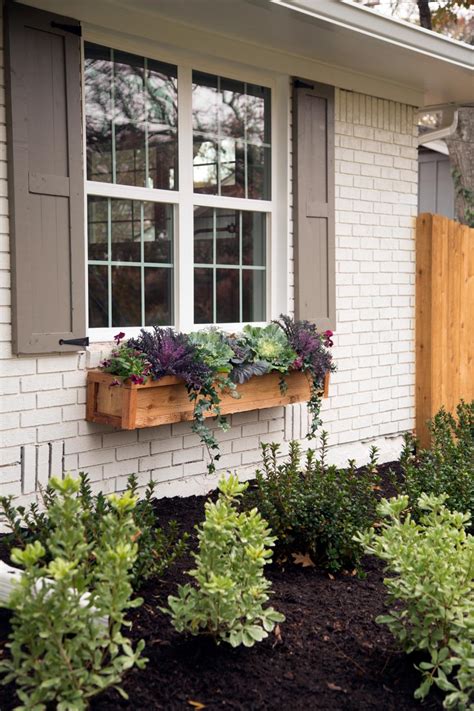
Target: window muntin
130,262
229,265
231,137
131,119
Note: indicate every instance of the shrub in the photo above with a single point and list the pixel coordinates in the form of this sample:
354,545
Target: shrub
157,547
448,466
313,508
66,642
431,588
228,602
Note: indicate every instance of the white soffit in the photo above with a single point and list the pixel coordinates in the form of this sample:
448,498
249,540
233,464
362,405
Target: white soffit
321,40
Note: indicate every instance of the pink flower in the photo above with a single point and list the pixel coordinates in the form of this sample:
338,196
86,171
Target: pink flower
328,342
114,383
297,363
137,379
118,337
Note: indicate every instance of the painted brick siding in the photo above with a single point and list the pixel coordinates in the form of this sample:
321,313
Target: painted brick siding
43,431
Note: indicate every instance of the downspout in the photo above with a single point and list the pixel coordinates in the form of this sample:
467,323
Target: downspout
442,133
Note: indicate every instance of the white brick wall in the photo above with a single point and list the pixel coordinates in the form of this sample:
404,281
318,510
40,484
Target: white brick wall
43,431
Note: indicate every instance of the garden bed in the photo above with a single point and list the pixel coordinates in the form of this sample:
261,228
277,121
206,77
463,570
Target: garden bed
331,654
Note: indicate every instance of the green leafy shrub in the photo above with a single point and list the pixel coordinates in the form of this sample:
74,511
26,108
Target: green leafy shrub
158,547
228,602
66,642
313,508
448,466
431,587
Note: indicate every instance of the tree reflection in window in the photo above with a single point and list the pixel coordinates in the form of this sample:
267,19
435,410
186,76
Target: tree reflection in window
131,119
231,137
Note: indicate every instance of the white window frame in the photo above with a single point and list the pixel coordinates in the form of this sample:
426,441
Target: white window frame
184,199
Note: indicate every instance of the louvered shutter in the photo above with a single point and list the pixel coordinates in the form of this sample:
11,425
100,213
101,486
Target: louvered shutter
46,179
313,151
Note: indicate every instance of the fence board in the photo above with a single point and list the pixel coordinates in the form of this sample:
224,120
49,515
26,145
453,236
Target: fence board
444,317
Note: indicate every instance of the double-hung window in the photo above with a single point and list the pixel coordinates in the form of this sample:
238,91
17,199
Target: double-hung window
179,203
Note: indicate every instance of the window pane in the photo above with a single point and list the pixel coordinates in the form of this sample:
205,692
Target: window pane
162,124
126,231
204,103
227,237
98,96
158,297
205,165
231,169
158,232
98,296
232,135
126,296
232,108
203,235
97,230
253,295
258,172
258,114
131,103
203,295
227,296
253,238
129,118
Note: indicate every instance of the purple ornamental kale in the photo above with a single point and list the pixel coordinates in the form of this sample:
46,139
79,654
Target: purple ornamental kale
309,344
243,365
172,353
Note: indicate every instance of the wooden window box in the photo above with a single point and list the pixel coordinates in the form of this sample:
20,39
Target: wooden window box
160,402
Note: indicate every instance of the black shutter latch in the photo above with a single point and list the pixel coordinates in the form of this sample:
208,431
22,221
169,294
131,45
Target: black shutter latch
74,342
73,29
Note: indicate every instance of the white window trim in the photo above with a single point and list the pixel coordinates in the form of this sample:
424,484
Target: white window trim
278,248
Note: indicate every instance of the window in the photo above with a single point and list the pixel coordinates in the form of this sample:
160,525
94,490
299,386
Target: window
136,196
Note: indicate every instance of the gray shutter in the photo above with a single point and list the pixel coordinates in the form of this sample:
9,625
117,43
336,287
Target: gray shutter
313,180
46,181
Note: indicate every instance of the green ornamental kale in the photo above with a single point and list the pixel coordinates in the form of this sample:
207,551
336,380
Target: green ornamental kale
270,344
231,590
213,348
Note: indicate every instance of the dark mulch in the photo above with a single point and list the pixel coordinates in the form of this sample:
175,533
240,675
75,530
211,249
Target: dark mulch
331,654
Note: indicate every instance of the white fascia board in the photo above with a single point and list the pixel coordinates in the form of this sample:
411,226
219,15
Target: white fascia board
366,21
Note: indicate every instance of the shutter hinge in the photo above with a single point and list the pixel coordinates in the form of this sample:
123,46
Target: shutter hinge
74,342
73,29
298,84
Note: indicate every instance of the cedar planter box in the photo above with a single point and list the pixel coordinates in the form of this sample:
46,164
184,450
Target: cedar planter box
160,402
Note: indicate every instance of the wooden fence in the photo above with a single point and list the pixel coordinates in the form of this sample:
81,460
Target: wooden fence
444,317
